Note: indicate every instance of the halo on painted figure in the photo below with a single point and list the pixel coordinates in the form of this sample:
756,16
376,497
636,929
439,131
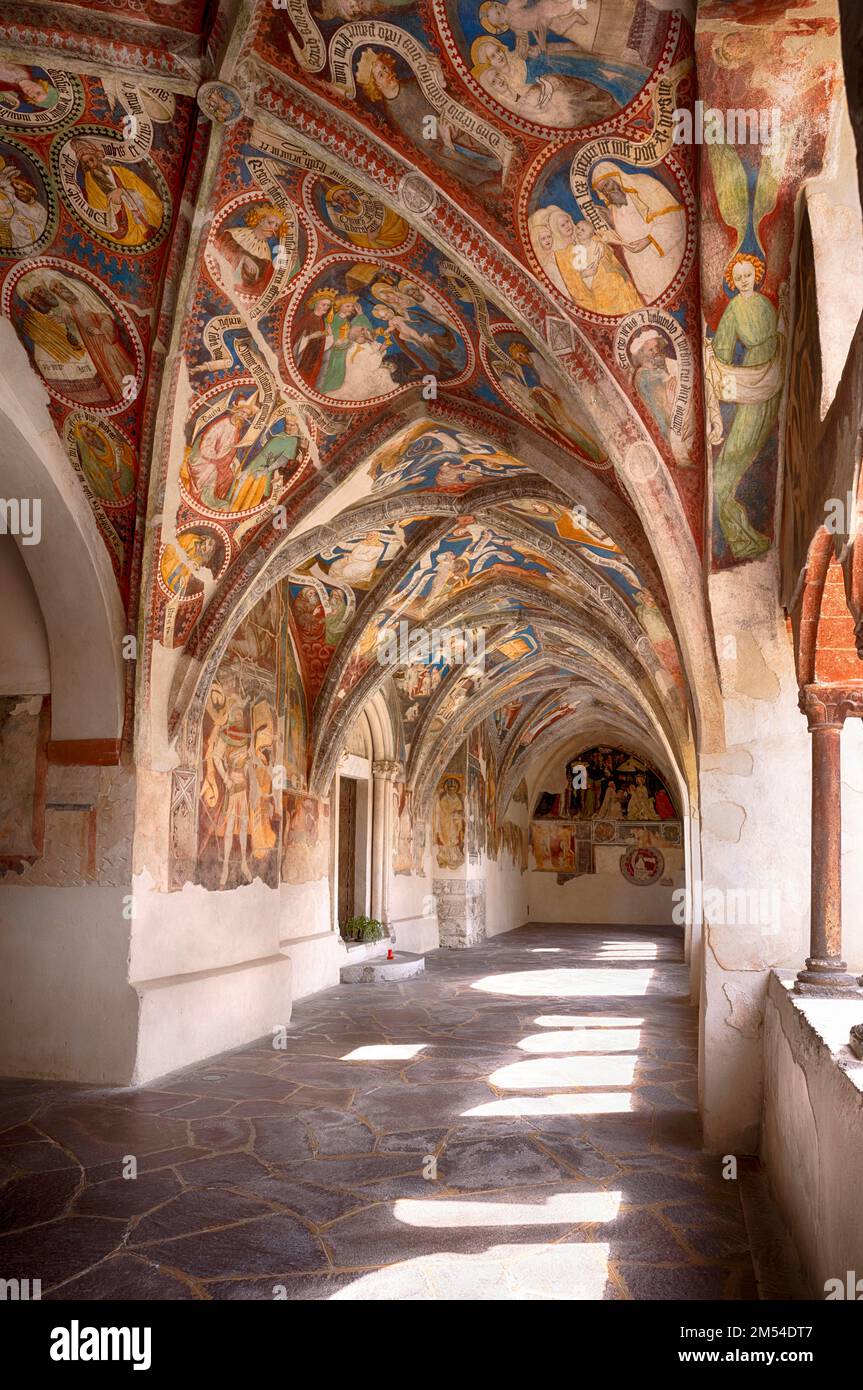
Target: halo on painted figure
80,339
362,332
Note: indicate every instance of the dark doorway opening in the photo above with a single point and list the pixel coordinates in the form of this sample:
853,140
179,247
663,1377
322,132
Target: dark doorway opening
347,849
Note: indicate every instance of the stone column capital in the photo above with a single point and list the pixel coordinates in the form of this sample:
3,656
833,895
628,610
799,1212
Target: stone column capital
386,768
828,706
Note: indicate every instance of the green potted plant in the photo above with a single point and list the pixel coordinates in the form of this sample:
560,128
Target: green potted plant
362,929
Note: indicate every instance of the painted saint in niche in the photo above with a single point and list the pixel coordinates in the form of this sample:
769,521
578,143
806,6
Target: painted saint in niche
744,367
130,210
107,462
551,99
306,841
74,340
403,823
450,824
646,221
23,213
237,457
248,248
236,790
580,263
397,95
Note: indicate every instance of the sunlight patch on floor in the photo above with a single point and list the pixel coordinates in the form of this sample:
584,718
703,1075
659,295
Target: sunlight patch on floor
628,950
571,1269
587,1021
384,1052
576,1103
536,1073
583,1040
566,983
558,1209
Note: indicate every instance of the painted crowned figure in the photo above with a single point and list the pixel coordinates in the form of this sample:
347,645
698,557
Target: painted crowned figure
210,464
744,364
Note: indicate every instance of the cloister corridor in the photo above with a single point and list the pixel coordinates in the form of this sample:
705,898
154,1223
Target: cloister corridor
518,1122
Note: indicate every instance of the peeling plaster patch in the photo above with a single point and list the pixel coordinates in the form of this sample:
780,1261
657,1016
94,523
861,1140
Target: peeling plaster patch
752,675
734,762
724,821
745,1014
740,948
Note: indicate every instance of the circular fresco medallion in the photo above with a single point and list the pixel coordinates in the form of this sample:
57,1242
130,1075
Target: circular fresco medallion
118,196
627,243
416,194
356,218
201,547
33,99
220,103
363,331
104,457
243,450
642,866
80,340
28,204
572,66
255,250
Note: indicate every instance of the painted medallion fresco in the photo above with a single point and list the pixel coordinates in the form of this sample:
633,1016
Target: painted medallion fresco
89,178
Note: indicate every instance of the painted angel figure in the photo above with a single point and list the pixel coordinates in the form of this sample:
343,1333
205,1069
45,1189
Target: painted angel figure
744,364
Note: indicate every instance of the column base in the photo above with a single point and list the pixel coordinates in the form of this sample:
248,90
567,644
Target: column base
826,978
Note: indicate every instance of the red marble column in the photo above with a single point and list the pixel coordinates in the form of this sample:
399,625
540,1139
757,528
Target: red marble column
826,709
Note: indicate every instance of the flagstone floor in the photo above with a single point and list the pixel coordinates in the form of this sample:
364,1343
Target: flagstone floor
518,1123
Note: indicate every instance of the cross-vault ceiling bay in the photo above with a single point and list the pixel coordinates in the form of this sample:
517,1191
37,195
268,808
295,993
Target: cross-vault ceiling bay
553,129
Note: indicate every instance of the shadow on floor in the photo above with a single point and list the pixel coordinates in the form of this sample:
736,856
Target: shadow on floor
518,1123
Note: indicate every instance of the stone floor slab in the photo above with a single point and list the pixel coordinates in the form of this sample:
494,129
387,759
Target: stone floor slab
532,1134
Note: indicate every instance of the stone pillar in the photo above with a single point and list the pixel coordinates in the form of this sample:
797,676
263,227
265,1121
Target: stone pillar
460,902
384,773
826,708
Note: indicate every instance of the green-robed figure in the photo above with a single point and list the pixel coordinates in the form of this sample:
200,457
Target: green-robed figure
754,384
348,315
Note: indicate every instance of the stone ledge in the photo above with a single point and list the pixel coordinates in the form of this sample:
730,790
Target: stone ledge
823,1023
812,1127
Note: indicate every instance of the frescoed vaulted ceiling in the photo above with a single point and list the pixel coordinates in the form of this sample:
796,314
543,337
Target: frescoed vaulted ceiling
395,305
